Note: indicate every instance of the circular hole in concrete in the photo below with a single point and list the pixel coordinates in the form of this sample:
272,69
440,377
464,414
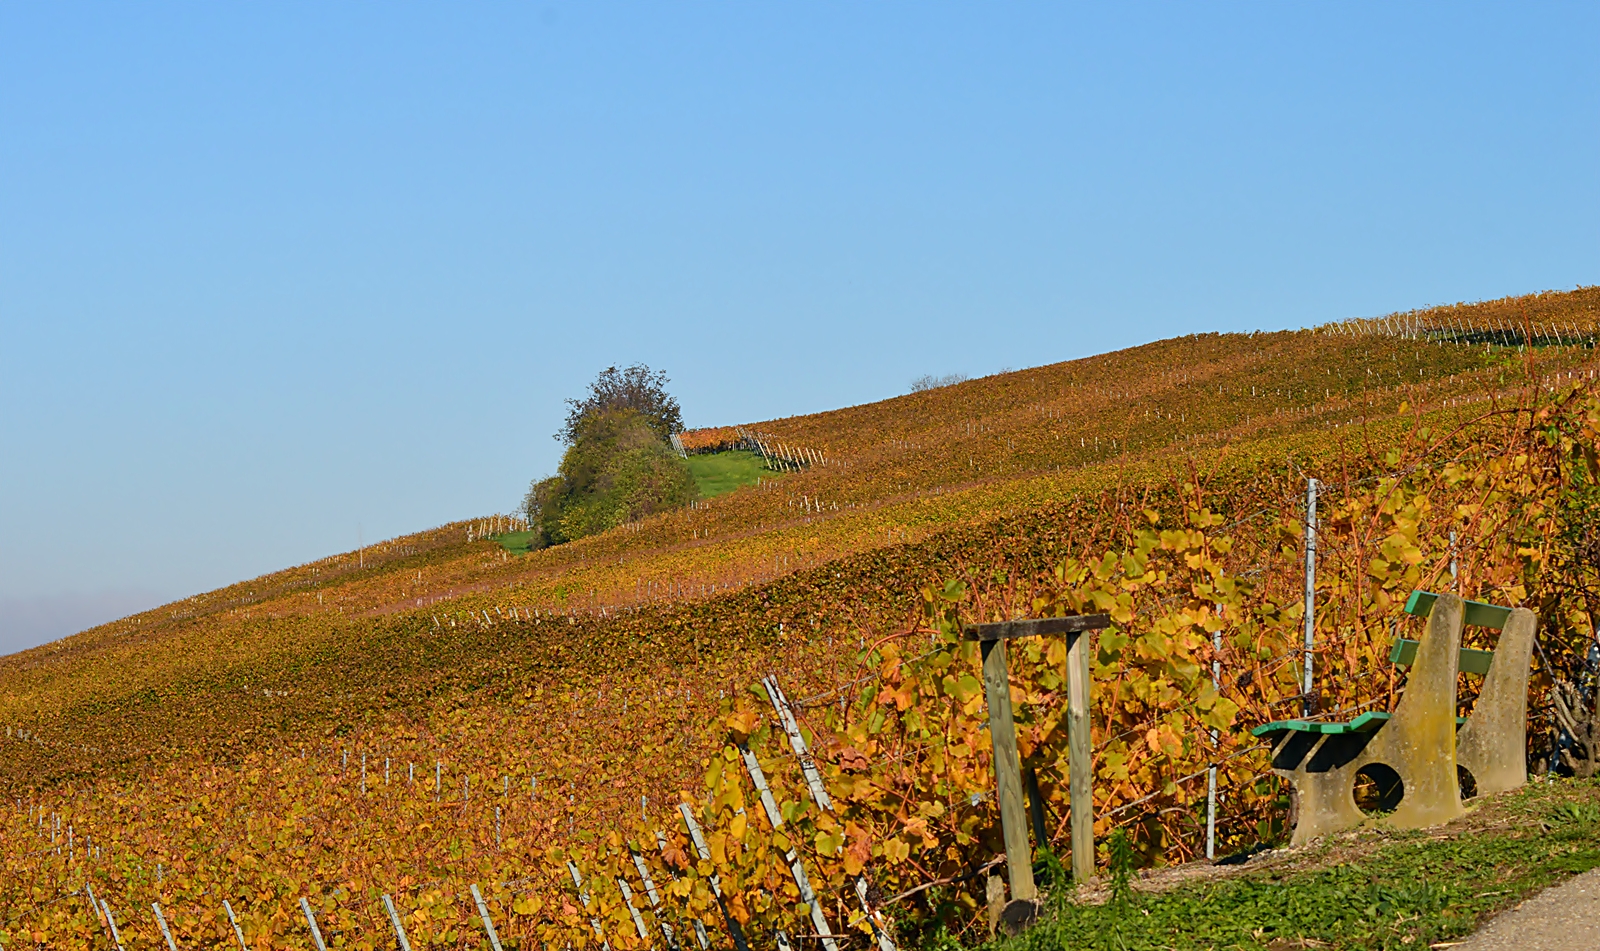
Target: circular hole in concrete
1466,782
1378,789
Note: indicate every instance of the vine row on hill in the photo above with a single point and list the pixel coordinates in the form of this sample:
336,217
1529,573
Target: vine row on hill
1194,566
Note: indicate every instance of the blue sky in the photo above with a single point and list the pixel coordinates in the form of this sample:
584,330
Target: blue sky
275,274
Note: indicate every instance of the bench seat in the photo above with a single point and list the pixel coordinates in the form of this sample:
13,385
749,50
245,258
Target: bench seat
1368,722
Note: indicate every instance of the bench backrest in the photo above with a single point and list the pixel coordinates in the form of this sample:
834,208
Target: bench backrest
1470,660
1477,613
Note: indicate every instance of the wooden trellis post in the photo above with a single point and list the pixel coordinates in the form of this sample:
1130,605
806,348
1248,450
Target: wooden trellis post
311,922
1080,764
819,794
1003,733
704,851
394,922
796,868
233,920
583,896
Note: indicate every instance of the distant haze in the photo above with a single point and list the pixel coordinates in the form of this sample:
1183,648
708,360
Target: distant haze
29,622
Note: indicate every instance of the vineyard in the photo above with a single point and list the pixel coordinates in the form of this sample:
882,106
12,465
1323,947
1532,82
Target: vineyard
755,722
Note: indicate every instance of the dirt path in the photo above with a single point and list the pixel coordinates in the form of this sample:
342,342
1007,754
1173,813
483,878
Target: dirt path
1564,917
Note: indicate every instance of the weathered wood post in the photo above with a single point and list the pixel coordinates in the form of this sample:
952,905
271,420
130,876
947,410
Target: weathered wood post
796,867
488,923
1308,684
1007,770
704,851
1003,734
233,920
1030,779
394,922
1080,765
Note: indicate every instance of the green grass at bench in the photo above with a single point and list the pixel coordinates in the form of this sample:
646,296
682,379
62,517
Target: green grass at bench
718,473
1413,890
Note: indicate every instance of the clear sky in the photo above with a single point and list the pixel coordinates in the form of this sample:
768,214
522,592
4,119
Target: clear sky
276,274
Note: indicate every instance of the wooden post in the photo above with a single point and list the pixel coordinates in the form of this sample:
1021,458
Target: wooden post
394,919
1080,787
1211,771
1030,779
796,868
488,925
994,893
1007,772
704,851
311,922
232,920
1003,733
1308,683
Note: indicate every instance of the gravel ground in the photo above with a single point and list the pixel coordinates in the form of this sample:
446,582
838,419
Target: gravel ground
1565,917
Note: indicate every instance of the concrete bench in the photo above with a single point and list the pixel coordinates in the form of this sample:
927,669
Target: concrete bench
1419,756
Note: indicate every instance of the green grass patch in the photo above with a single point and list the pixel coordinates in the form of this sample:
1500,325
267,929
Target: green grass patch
1415,889
718,473
519,543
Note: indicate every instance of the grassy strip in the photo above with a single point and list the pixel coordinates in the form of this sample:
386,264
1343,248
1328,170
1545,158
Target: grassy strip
518,543
718,473
1415,889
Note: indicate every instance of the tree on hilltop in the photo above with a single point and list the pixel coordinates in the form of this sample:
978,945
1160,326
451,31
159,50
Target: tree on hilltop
618,466
636,388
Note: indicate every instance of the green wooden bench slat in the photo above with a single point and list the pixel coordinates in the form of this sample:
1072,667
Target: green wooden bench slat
1469,661
1365,723
1368,722
1477,613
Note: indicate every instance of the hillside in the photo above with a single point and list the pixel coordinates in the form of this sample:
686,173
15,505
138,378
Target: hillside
568,683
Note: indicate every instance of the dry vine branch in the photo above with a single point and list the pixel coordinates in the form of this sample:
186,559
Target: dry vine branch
1581,721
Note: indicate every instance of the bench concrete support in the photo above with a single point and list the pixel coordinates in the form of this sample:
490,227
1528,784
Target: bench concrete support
1493,745
1418,743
